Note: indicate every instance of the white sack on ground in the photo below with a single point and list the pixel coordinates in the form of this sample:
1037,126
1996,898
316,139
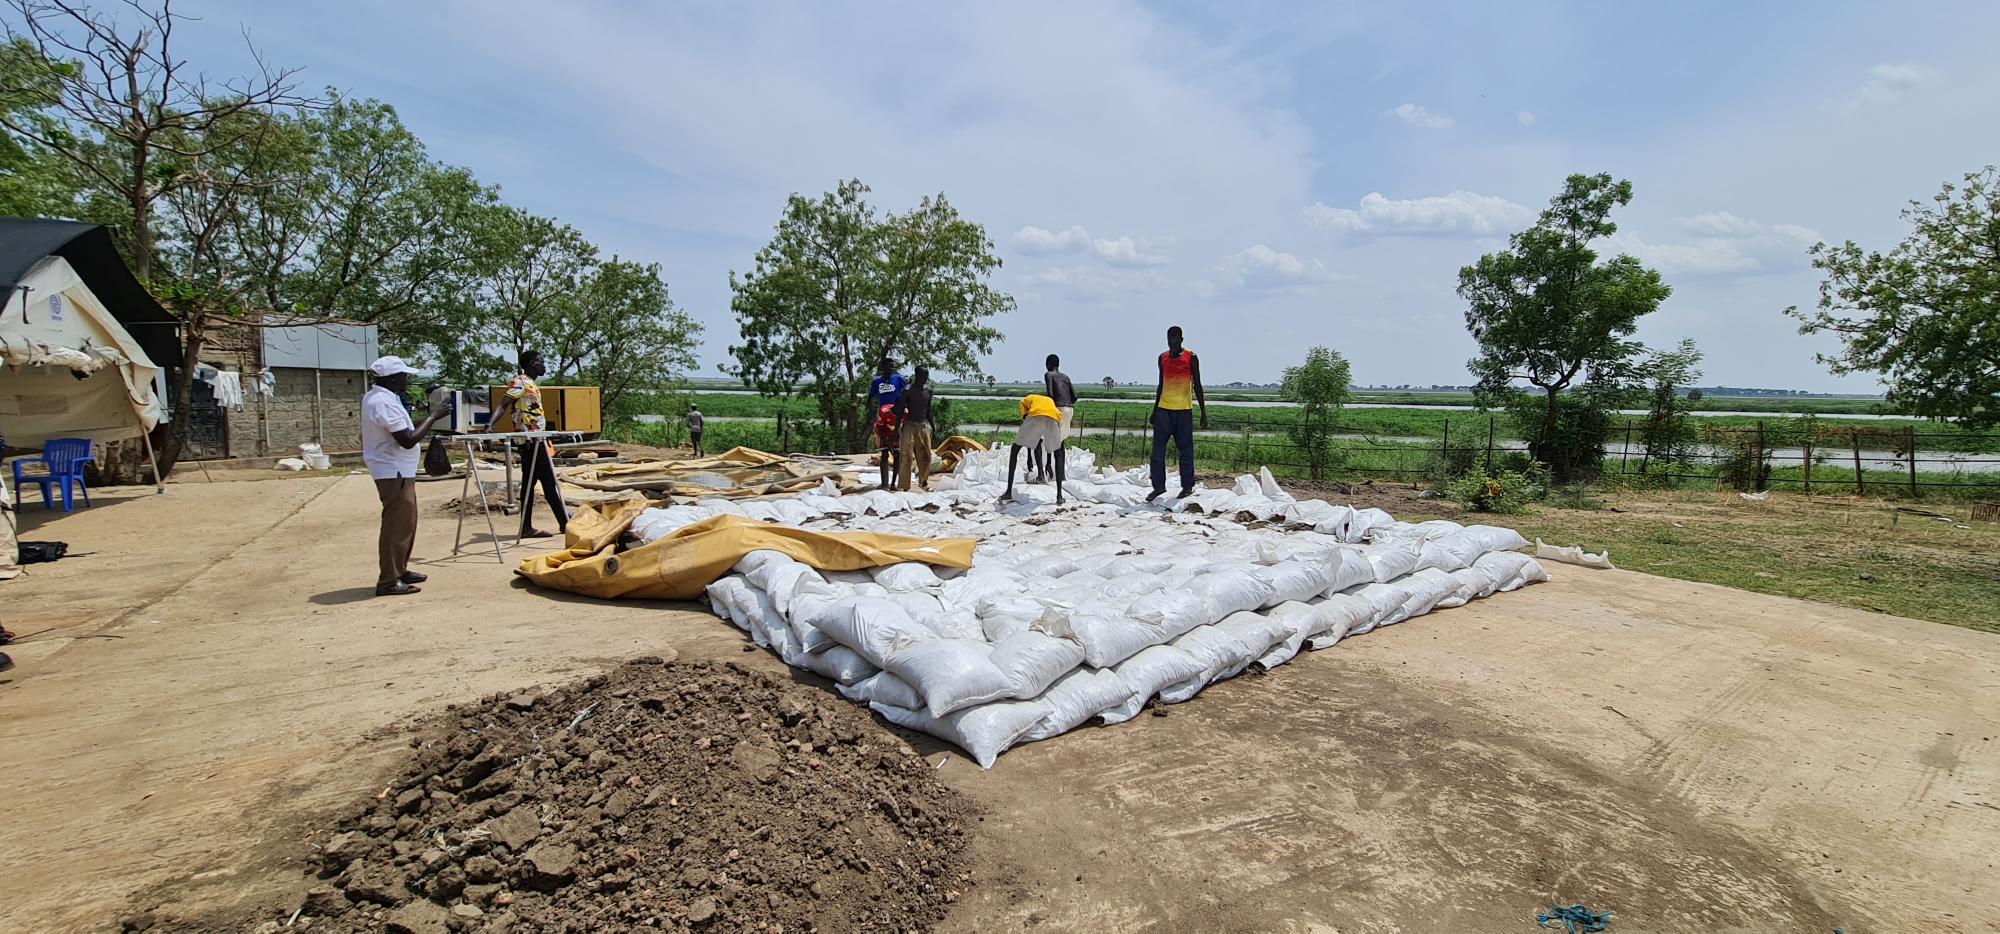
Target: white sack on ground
1092,610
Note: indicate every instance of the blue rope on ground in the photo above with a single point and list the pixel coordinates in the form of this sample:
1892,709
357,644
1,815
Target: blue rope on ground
1575,918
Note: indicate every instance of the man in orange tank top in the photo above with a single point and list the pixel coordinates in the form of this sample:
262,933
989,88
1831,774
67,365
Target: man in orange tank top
1178,392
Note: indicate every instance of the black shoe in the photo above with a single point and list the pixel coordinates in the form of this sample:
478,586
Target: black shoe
412,577
1156,494
396,589
1186,492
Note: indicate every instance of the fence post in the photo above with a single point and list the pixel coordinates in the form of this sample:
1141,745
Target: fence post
1911,437
1625,454
1490,419
1444,449
1809,460
1112,458
1860,485
1245,457
1757,477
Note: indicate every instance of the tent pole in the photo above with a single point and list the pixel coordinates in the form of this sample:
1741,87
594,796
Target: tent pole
159,482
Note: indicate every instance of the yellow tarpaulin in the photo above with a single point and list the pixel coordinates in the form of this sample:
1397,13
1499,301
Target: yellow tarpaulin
680,565
737,472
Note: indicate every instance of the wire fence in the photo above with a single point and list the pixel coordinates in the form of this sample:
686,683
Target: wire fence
1784,454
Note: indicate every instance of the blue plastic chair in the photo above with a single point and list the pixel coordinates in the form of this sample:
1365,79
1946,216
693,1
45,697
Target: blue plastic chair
62,461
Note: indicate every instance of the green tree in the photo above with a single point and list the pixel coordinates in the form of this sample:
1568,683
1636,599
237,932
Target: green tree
837,290
1546,312
1321,386
1667,436
33,182
621,333
1926,314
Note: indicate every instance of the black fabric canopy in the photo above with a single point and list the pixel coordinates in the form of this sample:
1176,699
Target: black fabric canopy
88,249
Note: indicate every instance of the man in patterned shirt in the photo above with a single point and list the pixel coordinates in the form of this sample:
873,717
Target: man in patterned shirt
524,401
1174,399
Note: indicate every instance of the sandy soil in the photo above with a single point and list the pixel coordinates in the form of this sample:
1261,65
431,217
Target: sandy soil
215,679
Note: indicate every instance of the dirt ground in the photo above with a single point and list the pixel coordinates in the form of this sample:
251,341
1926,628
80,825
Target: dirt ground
212,679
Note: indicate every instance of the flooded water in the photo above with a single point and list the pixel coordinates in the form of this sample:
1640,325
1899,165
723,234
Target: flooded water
1279,404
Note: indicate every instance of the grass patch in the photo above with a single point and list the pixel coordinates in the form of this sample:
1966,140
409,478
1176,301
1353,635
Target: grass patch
1856,553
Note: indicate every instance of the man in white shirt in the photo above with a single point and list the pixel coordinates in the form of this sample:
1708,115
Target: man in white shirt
389,448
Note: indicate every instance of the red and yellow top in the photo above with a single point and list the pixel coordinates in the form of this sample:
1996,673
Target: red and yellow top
1177,380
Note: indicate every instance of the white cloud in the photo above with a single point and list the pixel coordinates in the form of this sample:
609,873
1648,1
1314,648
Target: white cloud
1526,117
1460,214
1096,283
1417,116
1035,241
1261,268
1117,251
1888,84
1724,244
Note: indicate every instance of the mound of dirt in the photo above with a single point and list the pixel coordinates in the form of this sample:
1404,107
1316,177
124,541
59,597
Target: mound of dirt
674,796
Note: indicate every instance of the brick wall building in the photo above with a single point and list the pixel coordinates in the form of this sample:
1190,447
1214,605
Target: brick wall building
306,404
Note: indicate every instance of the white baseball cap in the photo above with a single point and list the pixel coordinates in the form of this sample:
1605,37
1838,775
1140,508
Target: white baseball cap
390,366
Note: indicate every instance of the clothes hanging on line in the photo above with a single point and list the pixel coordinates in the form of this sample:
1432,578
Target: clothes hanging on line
228,387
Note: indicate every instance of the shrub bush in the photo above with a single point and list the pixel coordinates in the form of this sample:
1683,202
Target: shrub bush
1506,491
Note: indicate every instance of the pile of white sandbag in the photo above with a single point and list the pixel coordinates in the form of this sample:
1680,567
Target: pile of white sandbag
1091,610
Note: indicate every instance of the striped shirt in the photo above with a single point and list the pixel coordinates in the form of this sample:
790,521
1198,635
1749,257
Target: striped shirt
1177,380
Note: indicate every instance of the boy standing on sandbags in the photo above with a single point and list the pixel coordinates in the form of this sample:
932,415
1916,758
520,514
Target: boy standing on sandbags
1060,391
1041,428
913,427
1174,399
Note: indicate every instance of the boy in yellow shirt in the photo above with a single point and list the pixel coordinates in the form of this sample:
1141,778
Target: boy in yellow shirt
1041,429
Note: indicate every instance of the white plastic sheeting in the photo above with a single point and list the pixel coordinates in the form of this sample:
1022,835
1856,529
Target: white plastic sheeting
1090,611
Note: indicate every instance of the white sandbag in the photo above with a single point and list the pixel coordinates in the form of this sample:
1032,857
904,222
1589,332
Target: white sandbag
1439,528
1509,569
1294,581
910,575
883,688
924,609
1336,616
872,626
1351,568
1109,636
1133,586
984,732
1364,522
1229,590
1258,632
1147,673
1300,622
1125,565
732,599
1473,583
1494,538
1573,554
1384,602
1426,588
749,563
1391,560
1172,612
951,674
1444,555
1531,573
1217,651
781,579
957,623
839,664
1034,660
1076,697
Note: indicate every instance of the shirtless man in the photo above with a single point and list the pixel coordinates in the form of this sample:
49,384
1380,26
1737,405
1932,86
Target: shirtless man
1058,388
1041,427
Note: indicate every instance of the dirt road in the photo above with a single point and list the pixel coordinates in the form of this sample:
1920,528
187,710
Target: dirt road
215,678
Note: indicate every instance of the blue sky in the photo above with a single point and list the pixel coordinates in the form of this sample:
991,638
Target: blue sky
1267,175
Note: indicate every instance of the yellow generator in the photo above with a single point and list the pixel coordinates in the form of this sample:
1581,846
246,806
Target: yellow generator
566,408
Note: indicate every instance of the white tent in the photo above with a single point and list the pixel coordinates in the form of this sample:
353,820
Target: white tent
71,369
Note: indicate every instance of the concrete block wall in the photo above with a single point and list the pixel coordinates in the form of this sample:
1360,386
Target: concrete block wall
289,413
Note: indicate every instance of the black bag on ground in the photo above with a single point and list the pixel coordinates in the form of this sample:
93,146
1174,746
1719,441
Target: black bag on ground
39,552
437,461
